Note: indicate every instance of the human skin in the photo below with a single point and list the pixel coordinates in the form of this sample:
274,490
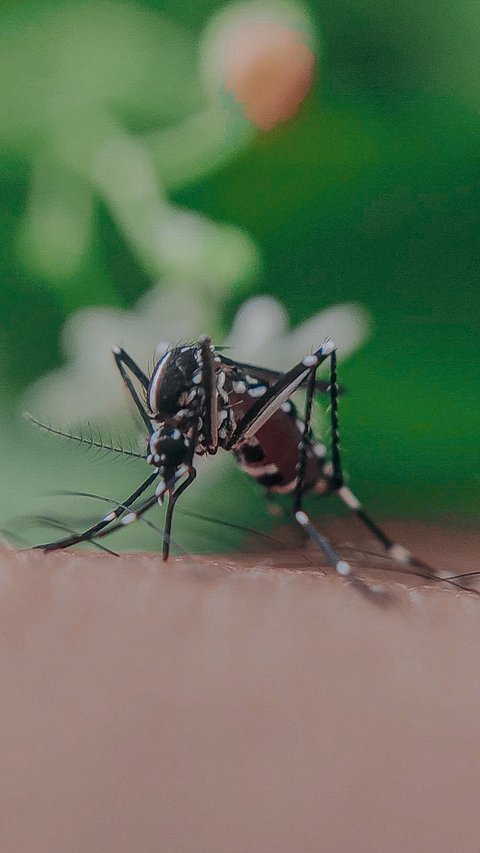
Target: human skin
224,705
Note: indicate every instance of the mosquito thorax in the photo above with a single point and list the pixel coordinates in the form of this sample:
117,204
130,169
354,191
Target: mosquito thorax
174,384
176,393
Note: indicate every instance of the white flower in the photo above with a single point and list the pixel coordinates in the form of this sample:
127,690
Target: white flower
260,335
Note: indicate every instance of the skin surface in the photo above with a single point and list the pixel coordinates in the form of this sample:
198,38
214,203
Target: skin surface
218,705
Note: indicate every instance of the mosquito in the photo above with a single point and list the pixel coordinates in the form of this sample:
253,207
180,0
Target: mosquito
197,401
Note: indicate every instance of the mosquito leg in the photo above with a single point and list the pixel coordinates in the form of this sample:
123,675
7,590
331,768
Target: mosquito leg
123,360
341,566
337,477
396,552
127,519
128,361
337,480
303,447
132,516
91,533
337,472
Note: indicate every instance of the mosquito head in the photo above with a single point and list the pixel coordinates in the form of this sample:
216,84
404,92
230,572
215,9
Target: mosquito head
169,451
175,381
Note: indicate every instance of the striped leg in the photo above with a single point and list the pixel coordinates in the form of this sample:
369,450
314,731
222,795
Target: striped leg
123,360
336,477
396,552
341,566
304,443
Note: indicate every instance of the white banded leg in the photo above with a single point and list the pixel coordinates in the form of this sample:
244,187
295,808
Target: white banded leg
305,440
398,553
394,550
342,568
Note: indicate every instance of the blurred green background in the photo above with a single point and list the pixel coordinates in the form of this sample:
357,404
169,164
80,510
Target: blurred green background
129,166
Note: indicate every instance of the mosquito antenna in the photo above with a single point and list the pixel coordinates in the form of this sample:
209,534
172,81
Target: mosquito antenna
88,440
